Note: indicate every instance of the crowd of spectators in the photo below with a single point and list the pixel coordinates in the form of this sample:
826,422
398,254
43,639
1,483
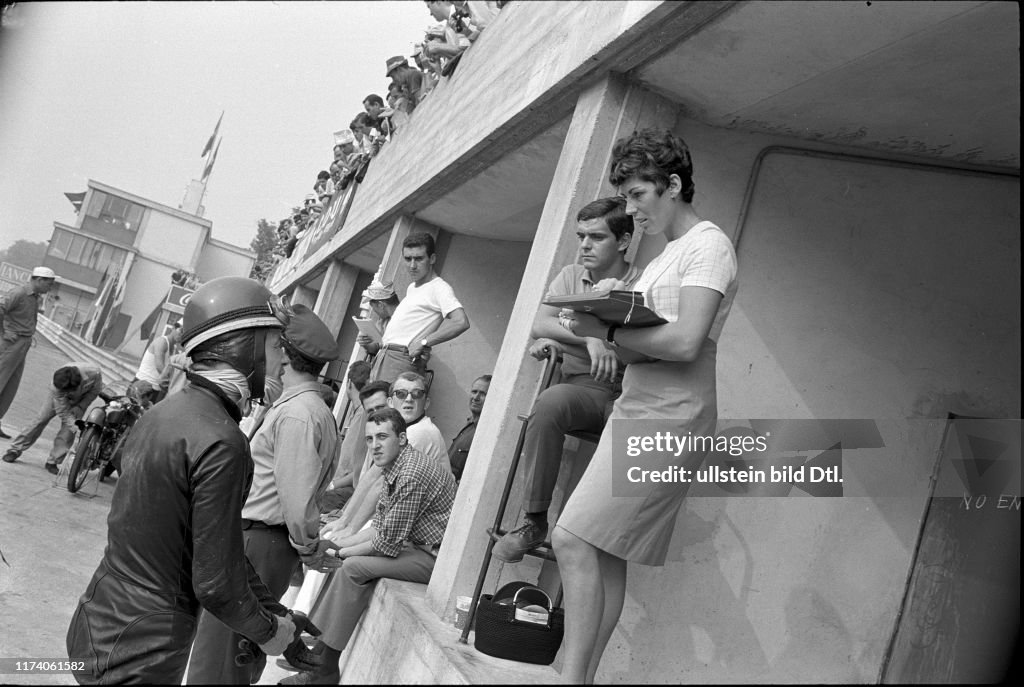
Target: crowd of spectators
435,57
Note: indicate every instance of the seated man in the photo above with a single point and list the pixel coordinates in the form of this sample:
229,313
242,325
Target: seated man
353,444
408,395
75,386
151,381
408,523
459,449
591,372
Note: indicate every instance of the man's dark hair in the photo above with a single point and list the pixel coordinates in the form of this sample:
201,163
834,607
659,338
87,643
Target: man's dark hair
653,155
374,99
419,239
612,210
371,388
359,373
362,118
67,378
389,415
299,362
324,174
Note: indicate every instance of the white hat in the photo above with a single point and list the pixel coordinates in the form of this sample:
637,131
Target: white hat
343,136
44,272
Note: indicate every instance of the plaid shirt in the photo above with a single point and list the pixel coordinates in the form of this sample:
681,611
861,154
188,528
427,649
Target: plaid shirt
415,502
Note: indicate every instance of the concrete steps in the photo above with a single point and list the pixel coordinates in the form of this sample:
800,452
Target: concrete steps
117,371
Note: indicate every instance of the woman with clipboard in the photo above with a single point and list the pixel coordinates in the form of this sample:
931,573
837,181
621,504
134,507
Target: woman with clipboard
691,284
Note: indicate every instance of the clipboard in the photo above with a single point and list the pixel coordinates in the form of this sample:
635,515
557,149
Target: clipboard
624,308
369,328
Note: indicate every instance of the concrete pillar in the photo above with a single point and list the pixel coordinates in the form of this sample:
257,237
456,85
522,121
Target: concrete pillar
335,294
604,112
303,294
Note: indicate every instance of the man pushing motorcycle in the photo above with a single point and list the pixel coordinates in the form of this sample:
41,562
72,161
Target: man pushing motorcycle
174,542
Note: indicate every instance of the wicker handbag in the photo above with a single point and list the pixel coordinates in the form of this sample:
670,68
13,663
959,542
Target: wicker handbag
507,628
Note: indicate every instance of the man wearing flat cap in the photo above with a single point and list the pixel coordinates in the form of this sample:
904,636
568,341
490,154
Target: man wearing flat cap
408,80
294,452
18,310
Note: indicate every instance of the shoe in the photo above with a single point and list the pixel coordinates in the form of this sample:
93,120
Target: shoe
283,663
4,435
515,544
52,468
11,456
308,677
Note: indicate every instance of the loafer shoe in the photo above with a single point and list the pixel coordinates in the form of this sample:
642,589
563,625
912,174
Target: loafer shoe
307,677
10,457
52,468
4,435
515,544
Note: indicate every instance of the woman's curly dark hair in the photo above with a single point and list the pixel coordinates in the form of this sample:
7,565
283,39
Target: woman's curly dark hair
653,155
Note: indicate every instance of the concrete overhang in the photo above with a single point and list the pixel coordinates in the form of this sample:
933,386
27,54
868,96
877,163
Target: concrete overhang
505,200
937,80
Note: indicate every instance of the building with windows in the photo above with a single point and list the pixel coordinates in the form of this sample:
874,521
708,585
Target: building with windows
115,264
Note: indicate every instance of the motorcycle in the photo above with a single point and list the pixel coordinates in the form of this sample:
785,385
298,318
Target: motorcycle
101,438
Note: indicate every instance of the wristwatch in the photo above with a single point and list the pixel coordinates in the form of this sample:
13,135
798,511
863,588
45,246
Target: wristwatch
610,335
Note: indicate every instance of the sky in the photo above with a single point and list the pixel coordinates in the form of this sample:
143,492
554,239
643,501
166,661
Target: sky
128,94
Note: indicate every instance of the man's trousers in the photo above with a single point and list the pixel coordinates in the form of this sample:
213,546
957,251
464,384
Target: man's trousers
12,364
216,645
579,404
65,435
347,591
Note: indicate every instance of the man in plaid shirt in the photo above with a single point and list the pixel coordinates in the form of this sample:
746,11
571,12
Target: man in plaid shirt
401,543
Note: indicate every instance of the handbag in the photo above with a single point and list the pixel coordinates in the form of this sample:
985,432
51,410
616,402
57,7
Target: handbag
519,623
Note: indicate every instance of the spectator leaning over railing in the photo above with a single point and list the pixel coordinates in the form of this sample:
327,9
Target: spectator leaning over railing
455,42
360,127
408,80
429,69
481,13
374,105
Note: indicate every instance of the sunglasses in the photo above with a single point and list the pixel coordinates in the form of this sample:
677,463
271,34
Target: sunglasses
402,394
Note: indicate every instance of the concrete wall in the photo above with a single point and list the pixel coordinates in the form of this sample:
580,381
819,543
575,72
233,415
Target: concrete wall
171,238
485,275
865,292
222,260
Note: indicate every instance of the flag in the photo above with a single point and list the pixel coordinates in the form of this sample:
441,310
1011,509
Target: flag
209,165
146,328
76,199
213,137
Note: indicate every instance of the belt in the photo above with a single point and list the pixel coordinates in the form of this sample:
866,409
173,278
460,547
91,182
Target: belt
248,524
396,347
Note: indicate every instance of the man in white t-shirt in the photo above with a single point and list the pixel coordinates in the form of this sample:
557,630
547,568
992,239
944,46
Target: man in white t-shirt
429,315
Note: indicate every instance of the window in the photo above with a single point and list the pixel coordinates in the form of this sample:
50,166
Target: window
59,244
117,211
79,250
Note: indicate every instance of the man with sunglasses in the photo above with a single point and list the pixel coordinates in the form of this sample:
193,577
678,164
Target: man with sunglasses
408,395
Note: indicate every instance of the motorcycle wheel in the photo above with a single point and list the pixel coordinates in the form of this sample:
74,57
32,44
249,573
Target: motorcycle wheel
86,454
